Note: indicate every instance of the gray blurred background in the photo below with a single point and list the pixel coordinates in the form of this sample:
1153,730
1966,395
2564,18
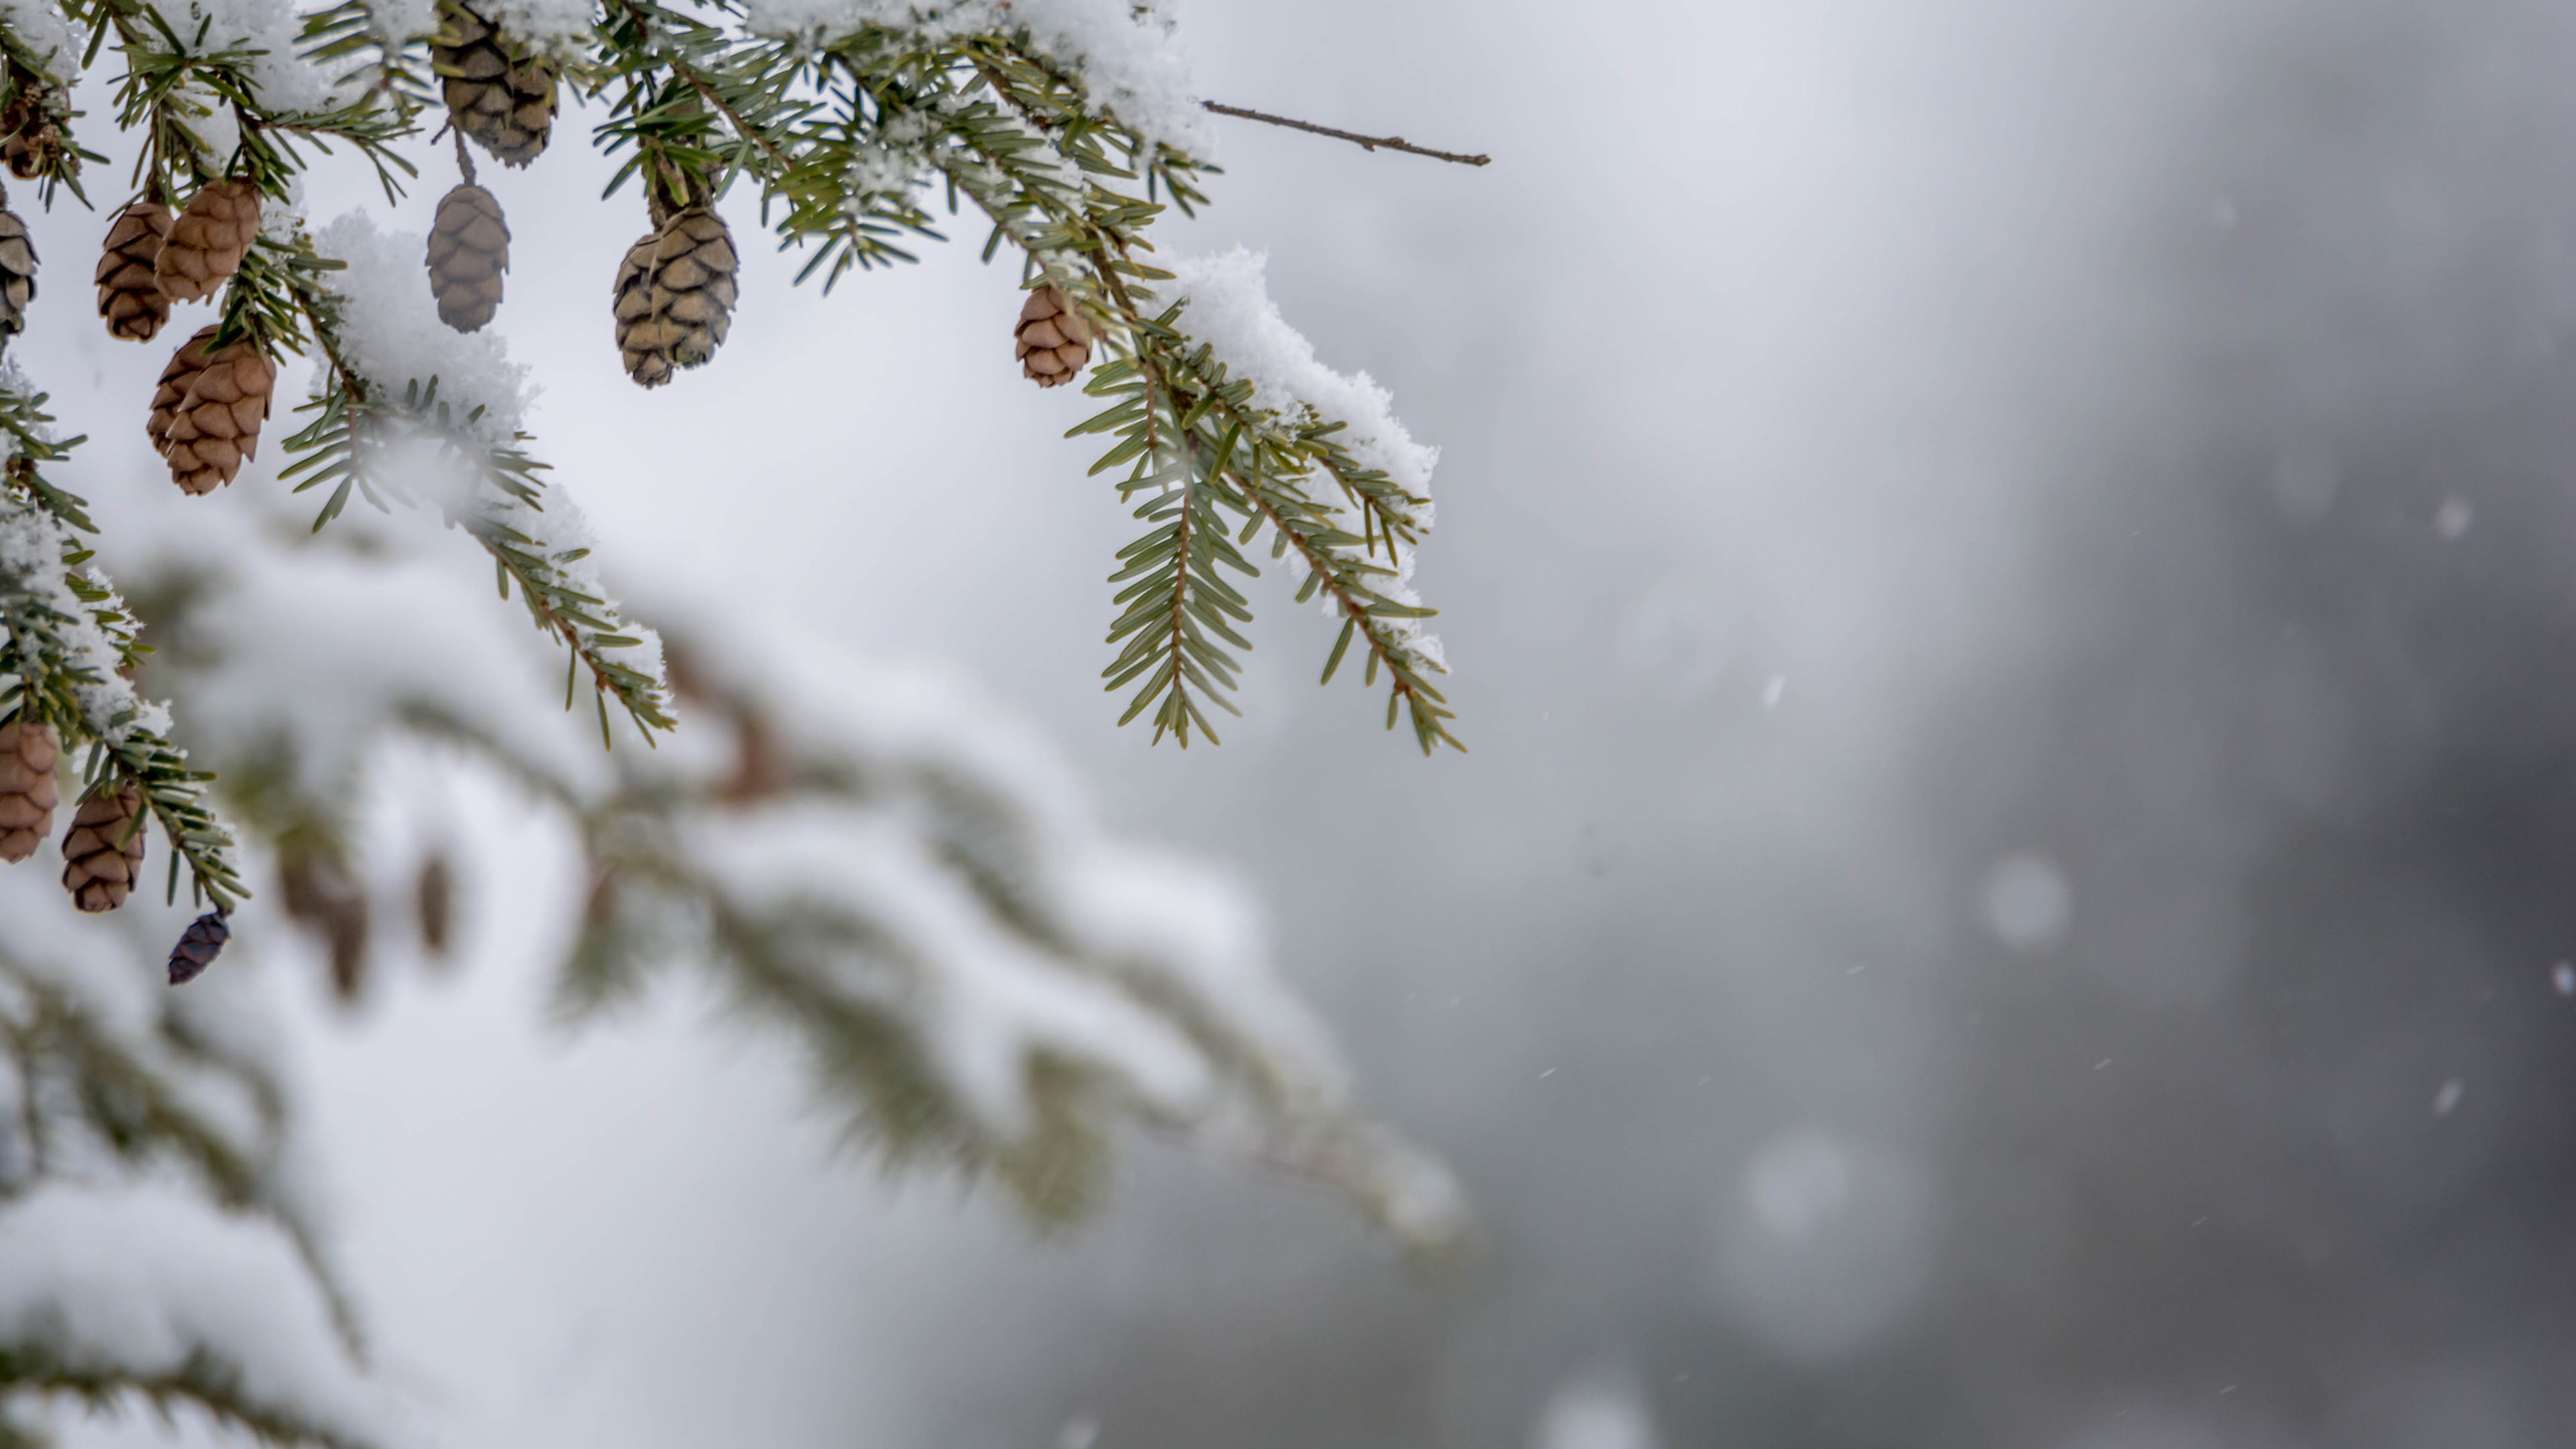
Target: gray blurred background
2012,570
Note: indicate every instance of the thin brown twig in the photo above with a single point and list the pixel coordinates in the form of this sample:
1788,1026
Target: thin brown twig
1365,143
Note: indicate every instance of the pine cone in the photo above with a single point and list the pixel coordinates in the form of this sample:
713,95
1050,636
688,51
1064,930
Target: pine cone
128,297
17,272
34,139
208,241
1054,341
213,426
27,788
469,249
31,150
104,851
176,378
434,902
675,296
198,947
498,90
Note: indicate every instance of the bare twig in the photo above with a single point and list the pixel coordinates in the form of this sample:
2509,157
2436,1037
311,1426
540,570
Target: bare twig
1365,143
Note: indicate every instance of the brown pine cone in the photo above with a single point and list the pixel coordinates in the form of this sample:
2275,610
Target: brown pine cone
176,378
208,241
675,296
17,271
1054,343
30,150
498,90
128,297
34,138
214,427
27,788
469,249
16,274
104,851
198,947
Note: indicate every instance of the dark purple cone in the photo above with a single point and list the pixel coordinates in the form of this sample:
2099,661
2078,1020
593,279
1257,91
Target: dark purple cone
198,948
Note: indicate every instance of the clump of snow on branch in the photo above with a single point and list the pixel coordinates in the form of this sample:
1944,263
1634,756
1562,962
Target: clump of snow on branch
1139,964
1128,56
31,568
391,335
396,21
270,27
142,1249
988,1001
413,635
146,1281
1229,309
547,23
41,25
1005,926
393,340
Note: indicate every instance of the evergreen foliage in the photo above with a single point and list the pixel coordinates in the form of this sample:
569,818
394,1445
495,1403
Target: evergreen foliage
980,977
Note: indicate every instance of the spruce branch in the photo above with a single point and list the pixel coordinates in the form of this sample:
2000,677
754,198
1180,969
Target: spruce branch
360,425
205,1380
396,67
128,1099
65,639
1365,143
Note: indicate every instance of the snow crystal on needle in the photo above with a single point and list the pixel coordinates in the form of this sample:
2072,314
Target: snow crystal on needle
141,1280
1125,54
46,32
392,335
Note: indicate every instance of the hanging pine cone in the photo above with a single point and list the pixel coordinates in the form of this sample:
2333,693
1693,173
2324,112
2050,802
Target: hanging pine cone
497,89
34,139
469,249
31,151
104,851
198,947
675,296
17,271
1054,341
176,379
128,298
205,246
434,904
213,425
27,787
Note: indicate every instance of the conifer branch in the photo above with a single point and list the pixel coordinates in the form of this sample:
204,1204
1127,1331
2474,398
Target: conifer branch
399,73
204,1380
131,1104
1365,143
358,423
65,637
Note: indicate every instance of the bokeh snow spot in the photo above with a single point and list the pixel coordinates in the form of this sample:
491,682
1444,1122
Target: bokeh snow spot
1828,1244
1597,1412
2027,902
2453,520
